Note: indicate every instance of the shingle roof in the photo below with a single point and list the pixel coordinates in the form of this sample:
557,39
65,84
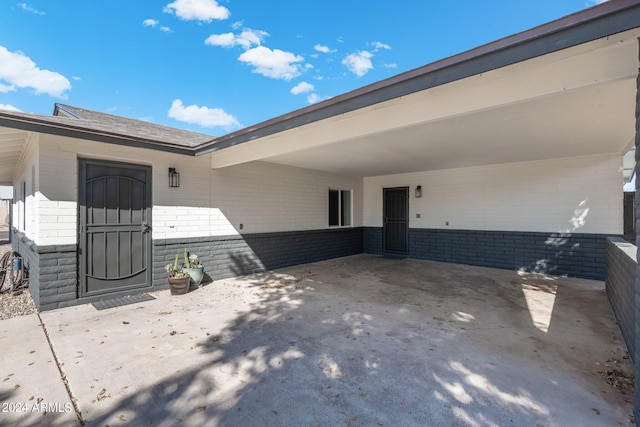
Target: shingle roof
131,127
93,125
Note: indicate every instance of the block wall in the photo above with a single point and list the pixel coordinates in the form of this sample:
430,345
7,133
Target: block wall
230,256
570,195
577,254
620,286
51,270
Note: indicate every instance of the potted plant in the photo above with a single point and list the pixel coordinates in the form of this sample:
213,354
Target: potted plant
193,267
178,279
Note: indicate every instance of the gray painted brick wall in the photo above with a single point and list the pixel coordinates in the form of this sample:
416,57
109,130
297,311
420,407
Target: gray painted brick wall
222,257
278,250
620,286
230,256
372,240
26,248
52,271
578,254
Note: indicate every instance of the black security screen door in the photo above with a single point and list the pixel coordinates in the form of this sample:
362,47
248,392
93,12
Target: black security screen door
115,218
396,220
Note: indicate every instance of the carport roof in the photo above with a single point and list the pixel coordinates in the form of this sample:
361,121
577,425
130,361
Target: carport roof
566,88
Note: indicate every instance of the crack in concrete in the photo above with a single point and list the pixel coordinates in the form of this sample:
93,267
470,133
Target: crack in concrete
63,376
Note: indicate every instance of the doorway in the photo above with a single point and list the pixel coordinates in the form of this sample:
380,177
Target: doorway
114,227
395,231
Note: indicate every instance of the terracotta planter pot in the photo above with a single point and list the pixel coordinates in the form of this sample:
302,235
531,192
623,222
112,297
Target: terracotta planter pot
195,274
179,285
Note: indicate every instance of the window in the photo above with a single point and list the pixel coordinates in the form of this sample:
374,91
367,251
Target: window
339,208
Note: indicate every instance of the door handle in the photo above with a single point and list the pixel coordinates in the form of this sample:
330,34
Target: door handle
145,227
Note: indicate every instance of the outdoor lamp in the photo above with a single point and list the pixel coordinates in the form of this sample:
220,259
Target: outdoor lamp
174,178
418,191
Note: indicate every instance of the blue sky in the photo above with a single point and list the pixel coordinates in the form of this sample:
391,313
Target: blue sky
217,66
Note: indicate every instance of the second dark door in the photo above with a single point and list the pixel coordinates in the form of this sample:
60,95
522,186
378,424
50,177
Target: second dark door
395,229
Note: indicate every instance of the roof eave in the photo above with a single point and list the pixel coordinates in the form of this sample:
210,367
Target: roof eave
33,124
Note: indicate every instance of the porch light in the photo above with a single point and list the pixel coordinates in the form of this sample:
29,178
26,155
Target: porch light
174,178
418,191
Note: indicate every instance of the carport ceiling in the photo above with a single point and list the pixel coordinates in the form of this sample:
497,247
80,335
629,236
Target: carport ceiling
573,102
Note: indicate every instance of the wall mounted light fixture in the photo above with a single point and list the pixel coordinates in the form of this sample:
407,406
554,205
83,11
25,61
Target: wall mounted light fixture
418,191
174,178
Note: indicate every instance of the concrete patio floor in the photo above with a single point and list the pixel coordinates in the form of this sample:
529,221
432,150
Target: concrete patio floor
355,341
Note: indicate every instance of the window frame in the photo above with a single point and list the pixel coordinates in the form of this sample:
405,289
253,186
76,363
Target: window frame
344,218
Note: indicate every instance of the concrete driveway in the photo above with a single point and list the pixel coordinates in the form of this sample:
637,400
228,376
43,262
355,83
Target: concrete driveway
355,341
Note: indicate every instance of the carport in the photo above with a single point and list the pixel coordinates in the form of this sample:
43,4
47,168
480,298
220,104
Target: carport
521,140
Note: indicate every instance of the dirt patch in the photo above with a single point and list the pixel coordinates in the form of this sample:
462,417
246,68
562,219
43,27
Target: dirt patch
618,377
17,303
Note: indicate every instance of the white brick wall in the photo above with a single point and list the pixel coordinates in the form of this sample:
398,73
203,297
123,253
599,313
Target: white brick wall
582,195
265,197
262,197
25,205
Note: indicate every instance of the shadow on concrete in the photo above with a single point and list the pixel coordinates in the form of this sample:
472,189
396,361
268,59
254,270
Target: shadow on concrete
368,341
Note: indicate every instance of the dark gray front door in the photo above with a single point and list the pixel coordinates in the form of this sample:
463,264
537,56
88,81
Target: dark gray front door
115,220
395,229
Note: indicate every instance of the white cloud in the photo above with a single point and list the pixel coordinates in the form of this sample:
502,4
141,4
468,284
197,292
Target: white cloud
30,9
8,107
247,38
276,64
392,65
225,40
323,49
19,70
313,98
203,116
7,88
154,23
302,87
150,22
377,46
197,10
594,2
358,63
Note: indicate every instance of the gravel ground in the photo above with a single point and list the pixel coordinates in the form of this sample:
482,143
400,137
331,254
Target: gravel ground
17,303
